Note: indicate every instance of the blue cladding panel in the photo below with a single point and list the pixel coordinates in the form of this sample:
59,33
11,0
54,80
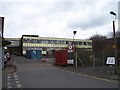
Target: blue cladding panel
34,54
39,54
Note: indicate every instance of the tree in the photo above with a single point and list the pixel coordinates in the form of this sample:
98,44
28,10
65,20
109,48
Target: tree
99,42
110,35
97,37
102,48
118,34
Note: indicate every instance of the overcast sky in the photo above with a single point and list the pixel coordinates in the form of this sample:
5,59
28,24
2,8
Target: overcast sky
58,18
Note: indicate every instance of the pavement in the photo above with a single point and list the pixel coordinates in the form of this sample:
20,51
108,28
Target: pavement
9,69
104,72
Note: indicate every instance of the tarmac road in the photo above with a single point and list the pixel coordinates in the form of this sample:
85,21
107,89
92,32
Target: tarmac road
44,75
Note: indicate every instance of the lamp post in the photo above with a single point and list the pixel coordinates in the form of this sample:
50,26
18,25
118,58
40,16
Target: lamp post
114,45
74,32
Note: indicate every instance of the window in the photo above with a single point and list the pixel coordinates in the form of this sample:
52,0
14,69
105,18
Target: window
68,42
45,41
34,41
25,40
51,42
89,43
39,41
84,43
76,43
57,42
79,43
63,42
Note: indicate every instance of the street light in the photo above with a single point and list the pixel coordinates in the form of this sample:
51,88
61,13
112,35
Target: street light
112,13
74,32
114,36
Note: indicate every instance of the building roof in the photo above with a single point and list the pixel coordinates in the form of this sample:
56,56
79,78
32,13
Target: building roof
55,38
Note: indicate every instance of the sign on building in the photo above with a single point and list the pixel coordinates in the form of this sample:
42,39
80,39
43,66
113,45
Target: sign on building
70,61
110,60
44,52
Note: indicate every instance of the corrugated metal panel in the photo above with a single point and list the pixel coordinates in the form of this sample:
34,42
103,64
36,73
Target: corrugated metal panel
61,57
57,57
39,54
64,57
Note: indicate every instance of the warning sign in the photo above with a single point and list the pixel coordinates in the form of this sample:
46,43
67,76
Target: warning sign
70,48
110,60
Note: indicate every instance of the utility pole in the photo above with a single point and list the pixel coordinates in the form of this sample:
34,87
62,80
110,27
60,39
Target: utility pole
115,48
93,60
74,32
75,58
115,45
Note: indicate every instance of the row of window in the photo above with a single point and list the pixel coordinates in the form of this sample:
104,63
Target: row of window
56,42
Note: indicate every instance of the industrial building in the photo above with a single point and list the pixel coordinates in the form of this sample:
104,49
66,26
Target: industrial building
46,44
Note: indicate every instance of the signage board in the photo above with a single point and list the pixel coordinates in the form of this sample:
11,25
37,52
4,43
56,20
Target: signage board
44,52
70,61
70,48
110,60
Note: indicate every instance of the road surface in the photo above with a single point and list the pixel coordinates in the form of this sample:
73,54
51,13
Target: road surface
46,75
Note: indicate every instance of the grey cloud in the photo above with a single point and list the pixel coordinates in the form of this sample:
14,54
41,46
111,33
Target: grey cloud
61,7
92,22
52,13
95,17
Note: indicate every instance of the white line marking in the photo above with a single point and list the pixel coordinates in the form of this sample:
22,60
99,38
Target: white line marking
19,85
15,76
8,79
9,87
16,79
8,83
17,82
91,76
